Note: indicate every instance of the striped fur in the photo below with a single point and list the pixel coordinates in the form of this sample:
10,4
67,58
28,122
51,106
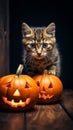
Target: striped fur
40,50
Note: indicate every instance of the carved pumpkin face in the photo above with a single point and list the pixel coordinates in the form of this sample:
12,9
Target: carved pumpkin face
50,87
18,92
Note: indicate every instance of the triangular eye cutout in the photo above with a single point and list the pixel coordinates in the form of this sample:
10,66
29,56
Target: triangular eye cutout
16,93
27,85
50,86
38,83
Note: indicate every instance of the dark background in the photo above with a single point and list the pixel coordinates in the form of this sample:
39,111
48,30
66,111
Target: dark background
41,13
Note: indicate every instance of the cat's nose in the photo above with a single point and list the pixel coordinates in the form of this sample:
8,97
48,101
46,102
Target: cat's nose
39,51
39,54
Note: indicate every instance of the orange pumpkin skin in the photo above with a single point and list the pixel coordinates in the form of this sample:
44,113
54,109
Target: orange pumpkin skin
18,92
50,88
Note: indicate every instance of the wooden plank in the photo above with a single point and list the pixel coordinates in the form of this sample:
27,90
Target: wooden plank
67,102
47,117
43,117
12,121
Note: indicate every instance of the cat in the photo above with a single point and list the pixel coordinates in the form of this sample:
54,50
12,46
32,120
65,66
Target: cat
40,50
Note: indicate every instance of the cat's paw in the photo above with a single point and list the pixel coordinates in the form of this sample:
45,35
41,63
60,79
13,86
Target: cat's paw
53,72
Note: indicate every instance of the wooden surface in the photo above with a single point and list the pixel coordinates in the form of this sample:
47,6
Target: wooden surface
4,37
57,116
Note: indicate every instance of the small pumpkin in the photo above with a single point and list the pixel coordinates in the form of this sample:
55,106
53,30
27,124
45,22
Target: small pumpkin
17,91
50,87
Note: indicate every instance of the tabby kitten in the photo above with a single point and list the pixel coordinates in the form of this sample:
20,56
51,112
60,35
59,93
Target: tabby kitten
40,50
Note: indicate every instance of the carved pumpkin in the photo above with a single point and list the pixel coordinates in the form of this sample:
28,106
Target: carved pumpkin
18,92
50,88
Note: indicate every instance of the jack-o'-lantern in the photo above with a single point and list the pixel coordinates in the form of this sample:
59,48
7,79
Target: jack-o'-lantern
50,87
17,91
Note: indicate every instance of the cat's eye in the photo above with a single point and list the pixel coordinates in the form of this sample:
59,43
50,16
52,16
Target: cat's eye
33,45
45,45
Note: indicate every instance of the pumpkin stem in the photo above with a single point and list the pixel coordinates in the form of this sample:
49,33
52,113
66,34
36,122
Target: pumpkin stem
45,72
19,70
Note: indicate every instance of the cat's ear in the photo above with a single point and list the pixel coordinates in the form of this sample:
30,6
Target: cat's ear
26,30
50,30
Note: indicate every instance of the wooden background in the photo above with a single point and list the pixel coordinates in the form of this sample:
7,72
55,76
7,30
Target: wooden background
4,37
